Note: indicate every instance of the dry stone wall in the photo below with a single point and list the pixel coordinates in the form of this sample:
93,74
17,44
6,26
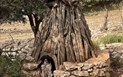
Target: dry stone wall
15,48
94,68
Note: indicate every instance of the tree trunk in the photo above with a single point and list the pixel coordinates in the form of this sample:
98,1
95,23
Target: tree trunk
120,11
35,22
64,34
104,28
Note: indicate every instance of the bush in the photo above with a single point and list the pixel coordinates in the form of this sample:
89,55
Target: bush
96,44
9,67
112,38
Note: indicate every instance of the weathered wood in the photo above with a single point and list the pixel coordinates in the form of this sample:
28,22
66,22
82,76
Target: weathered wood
64,34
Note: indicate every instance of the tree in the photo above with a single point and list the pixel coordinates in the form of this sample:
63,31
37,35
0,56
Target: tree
89,5
64,34
104,27
14,10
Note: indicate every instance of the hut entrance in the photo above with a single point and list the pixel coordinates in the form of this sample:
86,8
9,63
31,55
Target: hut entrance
47,65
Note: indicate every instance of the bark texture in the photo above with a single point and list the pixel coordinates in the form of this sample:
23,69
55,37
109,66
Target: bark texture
64,34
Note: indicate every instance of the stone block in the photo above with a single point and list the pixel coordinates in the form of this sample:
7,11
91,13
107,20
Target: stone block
30,66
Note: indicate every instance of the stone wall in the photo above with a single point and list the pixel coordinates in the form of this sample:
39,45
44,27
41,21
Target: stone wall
15,48
93,67
96,67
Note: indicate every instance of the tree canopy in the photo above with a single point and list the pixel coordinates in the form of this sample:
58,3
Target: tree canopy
89,5
14,10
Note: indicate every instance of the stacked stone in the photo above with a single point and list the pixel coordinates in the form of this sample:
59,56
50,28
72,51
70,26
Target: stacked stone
30,69
83,69
95,67
21,48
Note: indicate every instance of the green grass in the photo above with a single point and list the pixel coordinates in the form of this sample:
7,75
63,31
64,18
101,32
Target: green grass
111,38
96,44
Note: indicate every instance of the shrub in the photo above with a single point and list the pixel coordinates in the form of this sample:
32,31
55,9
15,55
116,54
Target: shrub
112,38
95,44
9,67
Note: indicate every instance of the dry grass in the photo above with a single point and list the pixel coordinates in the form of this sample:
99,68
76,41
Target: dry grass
94,21
7,36
24,31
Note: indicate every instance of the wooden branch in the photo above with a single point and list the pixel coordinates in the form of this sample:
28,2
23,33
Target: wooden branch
37,22
31,20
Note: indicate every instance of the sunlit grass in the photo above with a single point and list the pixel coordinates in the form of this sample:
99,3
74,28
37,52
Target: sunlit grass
111,38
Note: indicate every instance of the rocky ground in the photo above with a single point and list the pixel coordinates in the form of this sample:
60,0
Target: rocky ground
17,38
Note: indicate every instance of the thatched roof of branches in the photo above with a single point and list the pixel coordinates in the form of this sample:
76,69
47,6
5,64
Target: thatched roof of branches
53,3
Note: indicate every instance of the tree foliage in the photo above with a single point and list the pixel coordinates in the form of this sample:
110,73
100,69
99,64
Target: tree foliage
10,68
89,5
13,10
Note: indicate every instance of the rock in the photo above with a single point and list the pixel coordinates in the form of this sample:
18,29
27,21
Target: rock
35,73
15,48
70,66
14,53
30,66
104,65
22,56
19,52
86,73
27,46
29,59
24,50
101,65
87,66
61,67
95,72
102,73
80,73
102,46
103,69
80,64
58,73
26,73
29,53
121,75
72,76
31,73
90,70
66,74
